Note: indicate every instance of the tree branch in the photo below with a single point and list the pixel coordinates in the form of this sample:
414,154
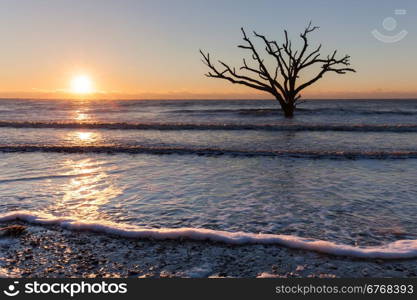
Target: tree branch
331,64
233,76
282,83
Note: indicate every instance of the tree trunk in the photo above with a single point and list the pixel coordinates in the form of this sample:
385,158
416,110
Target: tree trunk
288,109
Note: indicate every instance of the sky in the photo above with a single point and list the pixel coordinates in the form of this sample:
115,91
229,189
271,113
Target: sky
140,49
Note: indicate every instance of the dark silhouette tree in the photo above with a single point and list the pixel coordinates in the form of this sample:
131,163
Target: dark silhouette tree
282,82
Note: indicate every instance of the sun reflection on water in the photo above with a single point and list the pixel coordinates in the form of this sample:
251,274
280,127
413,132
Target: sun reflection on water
82,138
85,136
82,115
89,188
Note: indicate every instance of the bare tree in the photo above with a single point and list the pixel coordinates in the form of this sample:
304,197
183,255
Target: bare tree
282,81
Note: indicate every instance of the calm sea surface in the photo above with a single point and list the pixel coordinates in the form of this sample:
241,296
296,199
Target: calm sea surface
343,171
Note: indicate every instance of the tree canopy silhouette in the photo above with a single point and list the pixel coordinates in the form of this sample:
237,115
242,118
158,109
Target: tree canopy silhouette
282,82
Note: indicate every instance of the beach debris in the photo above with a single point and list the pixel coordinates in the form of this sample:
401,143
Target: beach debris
12,231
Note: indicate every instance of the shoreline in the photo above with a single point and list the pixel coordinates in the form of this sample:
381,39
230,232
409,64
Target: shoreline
54,252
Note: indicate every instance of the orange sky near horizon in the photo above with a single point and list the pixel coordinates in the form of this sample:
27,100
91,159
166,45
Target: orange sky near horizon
149,49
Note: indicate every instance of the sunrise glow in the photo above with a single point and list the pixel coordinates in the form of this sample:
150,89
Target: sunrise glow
81,84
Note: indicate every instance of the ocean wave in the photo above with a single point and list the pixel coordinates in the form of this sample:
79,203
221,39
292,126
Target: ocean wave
395,250
159,150
356,111
303,111
240,111
214,126
34,178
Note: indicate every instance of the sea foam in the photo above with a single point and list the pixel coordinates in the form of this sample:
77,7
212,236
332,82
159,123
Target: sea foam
213,126
396,250
166,150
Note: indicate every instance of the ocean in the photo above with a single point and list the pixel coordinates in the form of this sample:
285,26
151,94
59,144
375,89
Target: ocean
340,177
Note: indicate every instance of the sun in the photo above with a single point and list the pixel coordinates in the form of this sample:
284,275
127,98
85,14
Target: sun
82,84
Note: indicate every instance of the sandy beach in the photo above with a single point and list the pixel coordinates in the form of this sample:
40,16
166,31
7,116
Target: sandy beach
50,251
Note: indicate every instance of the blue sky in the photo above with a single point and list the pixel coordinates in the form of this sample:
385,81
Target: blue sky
151,47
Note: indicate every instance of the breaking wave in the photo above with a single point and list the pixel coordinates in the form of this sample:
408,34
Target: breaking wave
302,111
400,249
158,150
214,126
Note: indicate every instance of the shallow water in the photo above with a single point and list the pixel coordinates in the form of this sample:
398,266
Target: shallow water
359,201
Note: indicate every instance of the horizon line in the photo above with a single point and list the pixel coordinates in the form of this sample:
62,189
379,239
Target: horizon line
198,99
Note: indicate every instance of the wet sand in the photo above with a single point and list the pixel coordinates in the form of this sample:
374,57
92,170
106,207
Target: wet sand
50,251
